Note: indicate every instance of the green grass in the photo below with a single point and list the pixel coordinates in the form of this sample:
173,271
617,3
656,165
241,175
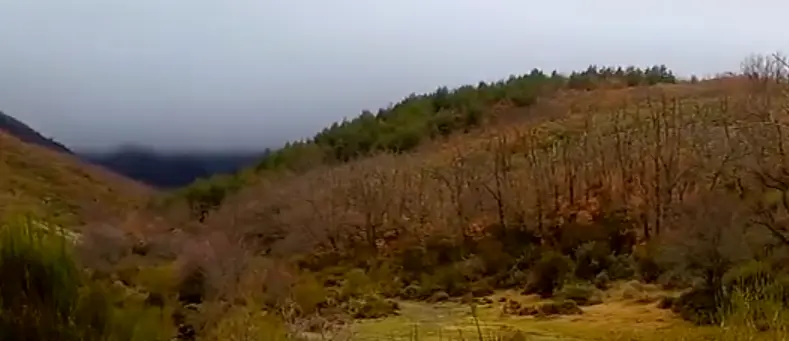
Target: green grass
39,292
616,319
45,295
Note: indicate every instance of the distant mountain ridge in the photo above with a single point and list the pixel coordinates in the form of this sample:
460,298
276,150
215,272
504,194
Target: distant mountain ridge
170,169
146,165
27,134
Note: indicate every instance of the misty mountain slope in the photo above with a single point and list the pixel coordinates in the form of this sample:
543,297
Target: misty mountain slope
40,181
170,169
440,118
603,171
469,158
27,134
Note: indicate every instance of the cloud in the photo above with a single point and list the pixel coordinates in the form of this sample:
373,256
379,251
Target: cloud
248,74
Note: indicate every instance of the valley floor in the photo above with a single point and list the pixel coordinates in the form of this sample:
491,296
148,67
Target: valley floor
615,319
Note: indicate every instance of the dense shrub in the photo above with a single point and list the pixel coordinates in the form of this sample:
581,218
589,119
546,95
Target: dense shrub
371,306
621,267
412,292
548,274
698,305
192,287
356,283
242,322
558,307
590,259
481,288
602,281
40,288
308,294
752,277
647,265
512,279
450,279
45,296
581,293
752,292
494,259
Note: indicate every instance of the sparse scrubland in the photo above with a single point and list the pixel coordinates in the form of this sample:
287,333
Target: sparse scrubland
608,205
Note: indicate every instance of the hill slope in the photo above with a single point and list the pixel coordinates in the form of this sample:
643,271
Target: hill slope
27,134
596,186
460,172
59,186
421,121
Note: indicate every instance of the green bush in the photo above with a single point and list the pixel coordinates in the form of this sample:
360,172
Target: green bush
621,267
387,282
412,292
447,278
371,306
356,283
602,281
581,293
698,305
755,294
491,254
511,279
559,307
548,274
308,294
752,277
674,279
481,288
40,285
647,266
242,322
591,259
45,296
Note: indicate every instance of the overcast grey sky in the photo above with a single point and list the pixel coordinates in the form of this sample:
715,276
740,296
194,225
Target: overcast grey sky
251,73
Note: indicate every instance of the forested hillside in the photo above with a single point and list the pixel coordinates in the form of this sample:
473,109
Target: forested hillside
609,204
423,117
420,118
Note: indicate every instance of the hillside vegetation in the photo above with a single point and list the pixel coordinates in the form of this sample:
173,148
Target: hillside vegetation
604,205
678,185
42,182
420,119
22,131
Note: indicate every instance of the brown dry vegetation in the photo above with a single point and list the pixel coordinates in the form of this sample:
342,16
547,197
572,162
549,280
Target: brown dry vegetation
635,171
42,182
644,151
683,185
